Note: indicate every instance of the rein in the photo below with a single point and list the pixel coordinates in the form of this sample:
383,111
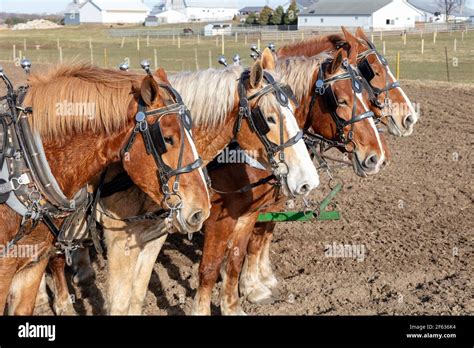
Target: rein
258,124
156,147
323,89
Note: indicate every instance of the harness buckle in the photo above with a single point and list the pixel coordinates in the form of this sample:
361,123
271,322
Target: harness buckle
23,179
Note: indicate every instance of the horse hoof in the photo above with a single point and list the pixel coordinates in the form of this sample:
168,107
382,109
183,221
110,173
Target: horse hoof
261,296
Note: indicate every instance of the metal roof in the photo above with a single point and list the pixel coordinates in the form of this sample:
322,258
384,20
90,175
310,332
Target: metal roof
345,7
120,5
212,3
252,9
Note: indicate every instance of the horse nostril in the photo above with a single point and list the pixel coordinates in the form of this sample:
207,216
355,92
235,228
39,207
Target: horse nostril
371,161
408,121
303,189
195,218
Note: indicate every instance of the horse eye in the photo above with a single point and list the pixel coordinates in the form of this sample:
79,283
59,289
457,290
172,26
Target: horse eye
271,119
169,140
342,102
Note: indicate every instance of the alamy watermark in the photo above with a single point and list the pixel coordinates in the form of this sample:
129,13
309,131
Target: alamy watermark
236,156
339,250
65,108
20,251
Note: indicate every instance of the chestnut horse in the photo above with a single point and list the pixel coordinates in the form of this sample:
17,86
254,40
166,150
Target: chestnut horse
301,74
215,101
397,112
79,148
394,107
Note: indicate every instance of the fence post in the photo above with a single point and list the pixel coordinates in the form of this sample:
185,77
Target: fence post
24,45
422,46
447,63
179,41
455,45
236,37
383,48
223,45
398,65
14,52
196,58
246,38
210,60
155,57
147,40
258,44
123,42
434,37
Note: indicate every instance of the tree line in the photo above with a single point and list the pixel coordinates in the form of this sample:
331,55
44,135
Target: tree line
278,16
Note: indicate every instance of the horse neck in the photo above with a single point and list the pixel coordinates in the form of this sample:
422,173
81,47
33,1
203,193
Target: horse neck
210,141
79,159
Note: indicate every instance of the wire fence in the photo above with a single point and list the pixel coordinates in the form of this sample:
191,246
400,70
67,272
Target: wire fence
422,55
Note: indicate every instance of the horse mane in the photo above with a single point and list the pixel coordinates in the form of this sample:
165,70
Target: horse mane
312,46
297,72
72,88
209,94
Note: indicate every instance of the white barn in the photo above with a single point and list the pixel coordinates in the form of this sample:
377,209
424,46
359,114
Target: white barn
369,14
113,11
180,11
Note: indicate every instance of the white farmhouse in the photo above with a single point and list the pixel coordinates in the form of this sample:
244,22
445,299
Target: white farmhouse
113,11
369,14
179,11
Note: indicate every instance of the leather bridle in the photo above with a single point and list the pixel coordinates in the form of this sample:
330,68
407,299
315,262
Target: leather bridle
258,123
156,147
323,89
368,74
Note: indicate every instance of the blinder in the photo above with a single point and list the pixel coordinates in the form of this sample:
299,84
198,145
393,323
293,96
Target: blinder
157,137
259,121
365,69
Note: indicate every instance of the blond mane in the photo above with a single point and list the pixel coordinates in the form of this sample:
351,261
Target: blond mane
298,72
57,96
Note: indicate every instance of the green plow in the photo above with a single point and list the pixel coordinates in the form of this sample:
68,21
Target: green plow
323,215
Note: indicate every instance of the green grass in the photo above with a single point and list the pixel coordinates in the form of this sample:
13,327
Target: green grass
75,46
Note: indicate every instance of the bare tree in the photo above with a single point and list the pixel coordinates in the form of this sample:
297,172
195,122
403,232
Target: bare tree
448,6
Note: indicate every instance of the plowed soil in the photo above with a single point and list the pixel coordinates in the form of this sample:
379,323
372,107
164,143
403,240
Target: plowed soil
415,221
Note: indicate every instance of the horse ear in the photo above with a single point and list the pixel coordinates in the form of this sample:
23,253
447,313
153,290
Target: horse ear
360,33
268,59
353,45
256,74
161,74
337,61
149,90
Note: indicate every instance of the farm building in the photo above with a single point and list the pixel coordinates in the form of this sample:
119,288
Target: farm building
251,9
218,29
369,14
113,11
433,12
192,11
300,4
71,15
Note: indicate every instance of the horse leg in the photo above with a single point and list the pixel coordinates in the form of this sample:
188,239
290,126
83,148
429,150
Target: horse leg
83,273
62,298
250,285
217,232
122,256
267,276
42,298
24,289
230,301
143,269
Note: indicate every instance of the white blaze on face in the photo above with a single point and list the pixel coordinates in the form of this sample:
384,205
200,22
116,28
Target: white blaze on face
402,92
196,156
374,129
301,168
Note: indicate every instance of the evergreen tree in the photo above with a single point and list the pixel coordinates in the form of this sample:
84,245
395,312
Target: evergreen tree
291,15
265,16
278,15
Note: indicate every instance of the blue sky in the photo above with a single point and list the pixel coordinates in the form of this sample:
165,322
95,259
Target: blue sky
54,6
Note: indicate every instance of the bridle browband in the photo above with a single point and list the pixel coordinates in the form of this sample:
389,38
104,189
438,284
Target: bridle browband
258,123
323,89
156,146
